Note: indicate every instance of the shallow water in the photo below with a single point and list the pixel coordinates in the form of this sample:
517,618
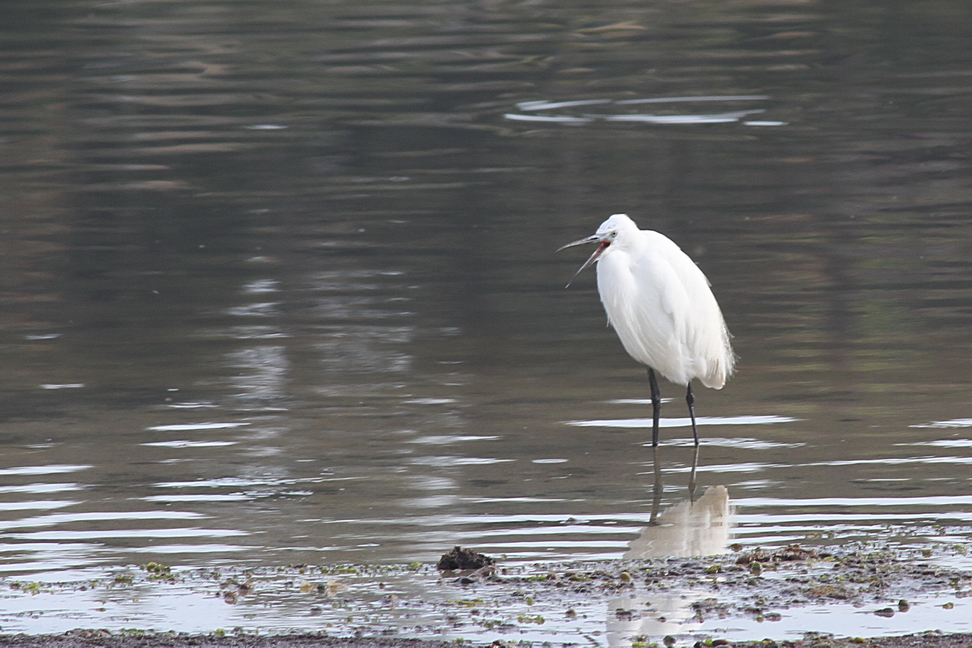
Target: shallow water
279,283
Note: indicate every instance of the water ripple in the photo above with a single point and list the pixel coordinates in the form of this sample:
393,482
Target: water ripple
53,469
726,117
684,422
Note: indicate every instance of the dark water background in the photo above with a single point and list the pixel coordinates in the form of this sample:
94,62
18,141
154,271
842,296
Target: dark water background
277,280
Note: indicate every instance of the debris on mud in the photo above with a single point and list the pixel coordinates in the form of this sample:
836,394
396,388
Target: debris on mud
134,639
460,559
918,640
790,552
105,639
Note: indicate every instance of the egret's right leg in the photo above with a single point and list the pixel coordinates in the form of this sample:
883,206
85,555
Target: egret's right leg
655,406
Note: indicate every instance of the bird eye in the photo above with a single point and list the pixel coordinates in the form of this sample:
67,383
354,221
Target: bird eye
614,235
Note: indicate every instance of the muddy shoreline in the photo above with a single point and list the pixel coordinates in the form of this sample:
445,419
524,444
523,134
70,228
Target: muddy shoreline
916,597
105,639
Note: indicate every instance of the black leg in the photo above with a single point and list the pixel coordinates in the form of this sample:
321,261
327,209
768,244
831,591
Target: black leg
690,399
655,406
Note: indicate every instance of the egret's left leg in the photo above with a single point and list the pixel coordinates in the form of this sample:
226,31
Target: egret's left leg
690,399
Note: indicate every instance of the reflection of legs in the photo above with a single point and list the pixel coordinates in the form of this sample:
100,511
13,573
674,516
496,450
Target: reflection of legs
655,406
657,490
690,399
692,483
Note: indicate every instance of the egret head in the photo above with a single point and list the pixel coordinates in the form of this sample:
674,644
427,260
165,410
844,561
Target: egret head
611,232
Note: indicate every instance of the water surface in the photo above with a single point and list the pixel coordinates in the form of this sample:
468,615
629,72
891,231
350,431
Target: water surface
279,282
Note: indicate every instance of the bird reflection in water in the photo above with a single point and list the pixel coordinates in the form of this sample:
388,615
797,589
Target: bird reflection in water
692,528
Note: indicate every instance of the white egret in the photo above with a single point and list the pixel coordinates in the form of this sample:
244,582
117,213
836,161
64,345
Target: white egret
661,306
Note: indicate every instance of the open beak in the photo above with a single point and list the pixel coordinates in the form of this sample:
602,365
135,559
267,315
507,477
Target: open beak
590,261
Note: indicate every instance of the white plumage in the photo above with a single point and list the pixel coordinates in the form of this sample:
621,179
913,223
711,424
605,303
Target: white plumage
661,306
